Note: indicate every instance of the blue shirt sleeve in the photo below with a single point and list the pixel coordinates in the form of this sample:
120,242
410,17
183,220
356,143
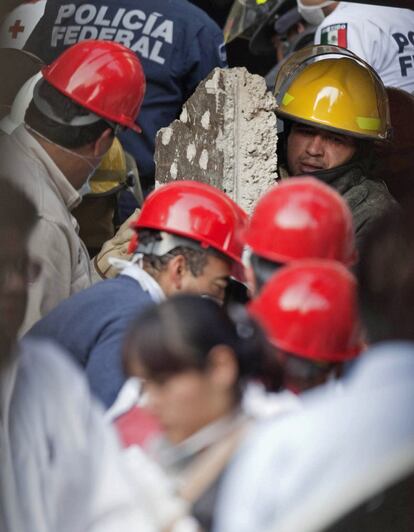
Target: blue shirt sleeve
104,367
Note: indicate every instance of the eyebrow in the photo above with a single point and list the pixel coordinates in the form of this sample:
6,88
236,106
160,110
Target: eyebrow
224,278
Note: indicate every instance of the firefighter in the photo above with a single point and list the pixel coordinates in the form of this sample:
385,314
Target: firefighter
274,29
309,311
298,219
69,126
190,239
334,109
97,215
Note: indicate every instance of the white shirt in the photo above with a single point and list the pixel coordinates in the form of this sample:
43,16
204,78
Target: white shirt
382,36
297,472
61,468
55,241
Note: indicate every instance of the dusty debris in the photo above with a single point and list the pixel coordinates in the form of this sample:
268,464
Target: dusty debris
226,136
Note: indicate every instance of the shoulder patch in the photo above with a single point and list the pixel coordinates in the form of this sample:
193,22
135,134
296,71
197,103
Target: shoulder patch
335,34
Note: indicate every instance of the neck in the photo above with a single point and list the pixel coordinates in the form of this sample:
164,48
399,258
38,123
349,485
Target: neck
327,10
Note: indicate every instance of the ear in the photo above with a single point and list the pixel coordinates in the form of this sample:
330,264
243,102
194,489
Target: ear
251,281
103,143
171,278
222,367
300,27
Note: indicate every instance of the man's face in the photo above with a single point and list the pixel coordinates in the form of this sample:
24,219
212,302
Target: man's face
212,281
310,149
14,270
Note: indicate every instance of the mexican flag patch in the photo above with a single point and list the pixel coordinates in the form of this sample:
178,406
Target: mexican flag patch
335,34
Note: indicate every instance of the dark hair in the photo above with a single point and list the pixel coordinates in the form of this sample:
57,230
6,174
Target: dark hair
385,274
263,270
304,374
178,335
16,209
196,257
70,137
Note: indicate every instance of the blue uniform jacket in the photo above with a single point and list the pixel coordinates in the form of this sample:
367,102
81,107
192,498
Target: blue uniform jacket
91,325
177,43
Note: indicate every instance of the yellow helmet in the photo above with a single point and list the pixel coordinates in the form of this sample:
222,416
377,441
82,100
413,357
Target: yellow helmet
111,174
332,88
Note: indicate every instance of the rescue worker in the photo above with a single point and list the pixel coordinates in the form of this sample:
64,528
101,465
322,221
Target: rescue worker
190,239
56,448
334,108
245,17
177,43
344,454
309,312
195,361
97,214
380,35
274,29
298,219
69,126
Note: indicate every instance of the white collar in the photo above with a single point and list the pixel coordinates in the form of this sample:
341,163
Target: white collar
171,456
135,271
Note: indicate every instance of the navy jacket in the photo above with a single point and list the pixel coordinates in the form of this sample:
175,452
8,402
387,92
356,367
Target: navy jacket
91,325
177,43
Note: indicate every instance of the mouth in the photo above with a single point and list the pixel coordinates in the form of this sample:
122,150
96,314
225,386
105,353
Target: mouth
308,168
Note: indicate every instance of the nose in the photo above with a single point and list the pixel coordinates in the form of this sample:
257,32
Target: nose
315,146
153,398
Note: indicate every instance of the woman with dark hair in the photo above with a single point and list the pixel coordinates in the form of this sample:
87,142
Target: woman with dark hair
195,360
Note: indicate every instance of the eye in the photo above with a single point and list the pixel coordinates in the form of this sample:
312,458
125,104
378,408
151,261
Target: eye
339,140
217,291
304,130
216,295
158,380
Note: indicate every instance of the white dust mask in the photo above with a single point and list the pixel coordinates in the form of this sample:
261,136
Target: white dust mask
92,162
313,14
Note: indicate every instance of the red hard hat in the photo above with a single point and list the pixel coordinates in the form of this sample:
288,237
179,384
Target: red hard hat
309,309
302,218
200,212
102,76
